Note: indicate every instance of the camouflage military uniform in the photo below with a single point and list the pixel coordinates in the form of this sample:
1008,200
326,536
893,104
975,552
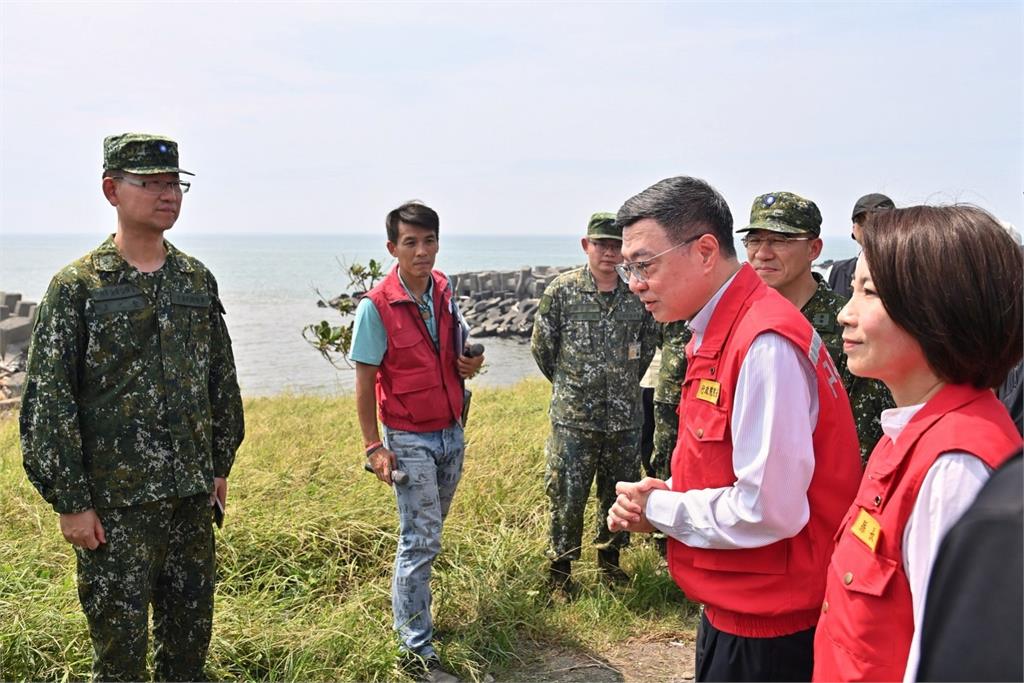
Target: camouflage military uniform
868,397
132,408
594,347
675,336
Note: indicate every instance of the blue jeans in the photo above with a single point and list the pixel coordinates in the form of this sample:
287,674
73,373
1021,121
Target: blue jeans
433,461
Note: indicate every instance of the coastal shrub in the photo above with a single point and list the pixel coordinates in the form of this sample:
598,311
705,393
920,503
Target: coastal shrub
305,555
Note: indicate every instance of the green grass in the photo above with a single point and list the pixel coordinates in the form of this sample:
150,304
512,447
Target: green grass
304,559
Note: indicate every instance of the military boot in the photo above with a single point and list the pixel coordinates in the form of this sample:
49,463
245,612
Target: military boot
608,563
560,580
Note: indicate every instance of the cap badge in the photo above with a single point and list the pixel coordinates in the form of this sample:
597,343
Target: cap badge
163,148
769,200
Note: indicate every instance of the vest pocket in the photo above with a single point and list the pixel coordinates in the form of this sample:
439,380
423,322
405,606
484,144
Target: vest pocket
419,394
770,559
705,422
862,622
858,569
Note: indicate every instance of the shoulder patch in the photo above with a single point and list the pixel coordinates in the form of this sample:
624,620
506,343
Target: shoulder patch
545,304
824,322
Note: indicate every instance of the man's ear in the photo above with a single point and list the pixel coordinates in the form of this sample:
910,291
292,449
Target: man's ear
584,242
110,191
708,249
392,248
816,246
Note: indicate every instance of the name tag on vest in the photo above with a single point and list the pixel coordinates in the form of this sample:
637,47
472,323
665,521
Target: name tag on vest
867,529
709,390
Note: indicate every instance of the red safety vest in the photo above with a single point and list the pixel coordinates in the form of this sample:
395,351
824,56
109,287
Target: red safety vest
777,589
867,619
418,384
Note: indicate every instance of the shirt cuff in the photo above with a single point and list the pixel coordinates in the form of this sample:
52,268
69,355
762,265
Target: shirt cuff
661,510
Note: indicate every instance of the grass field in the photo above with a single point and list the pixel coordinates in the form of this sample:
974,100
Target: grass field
304,558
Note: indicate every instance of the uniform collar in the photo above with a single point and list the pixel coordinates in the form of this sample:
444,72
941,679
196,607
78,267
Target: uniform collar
108,259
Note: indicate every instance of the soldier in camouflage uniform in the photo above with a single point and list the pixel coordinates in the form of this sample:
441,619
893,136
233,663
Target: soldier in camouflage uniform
782,241
130,421
593,339
674,337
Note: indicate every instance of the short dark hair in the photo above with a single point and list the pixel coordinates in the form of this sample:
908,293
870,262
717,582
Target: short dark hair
415,213
954,280
686,208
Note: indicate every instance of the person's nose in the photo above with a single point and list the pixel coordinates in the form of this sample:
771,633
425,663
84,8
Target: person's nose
764,251
845,317
636,285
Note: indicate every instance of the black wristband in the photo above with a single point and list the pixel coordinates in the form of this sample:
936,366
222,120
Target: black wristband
373,449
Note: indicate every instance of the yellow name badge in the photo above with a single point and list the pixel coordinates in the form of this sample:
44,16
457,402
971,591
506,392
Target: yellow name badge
709,390
867,529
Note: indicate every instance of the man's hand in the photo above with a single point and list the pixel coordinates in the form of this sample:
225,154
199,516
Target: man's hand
627,513
220,491
383,462
83,529
469,365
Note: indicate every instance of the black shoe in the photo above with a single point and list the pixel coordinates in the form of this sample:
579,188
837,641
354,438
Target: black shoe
437,673
427,670
611,572
560,580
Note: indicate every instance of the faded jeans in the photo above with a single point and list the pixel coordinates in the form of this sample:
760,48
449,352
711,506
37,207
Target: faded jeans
433,461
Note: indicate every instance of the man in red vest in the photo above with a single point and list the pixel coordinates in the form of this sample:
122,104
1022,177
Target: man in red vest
407,345
766,462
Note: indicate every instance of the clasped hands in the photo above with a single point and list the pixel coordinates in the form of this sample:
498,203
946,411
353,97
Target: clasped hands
627,513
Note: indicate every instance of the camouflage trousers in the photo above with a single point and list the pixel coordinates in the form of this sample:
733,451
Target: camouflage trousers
574,457
666,432
159,554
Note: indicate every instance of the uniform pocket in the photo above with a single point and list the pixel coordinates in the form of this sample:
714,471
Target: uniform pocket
191,316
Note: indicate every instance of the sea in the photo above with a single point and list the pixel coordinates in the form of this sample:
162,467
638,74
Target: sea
270,285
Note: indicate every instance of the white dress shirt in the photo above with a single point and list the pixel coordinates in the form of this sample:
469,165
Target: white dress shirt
950,486
774,412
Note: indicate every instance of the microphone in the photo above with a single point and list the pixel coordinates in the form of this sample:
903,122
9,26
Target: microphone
397,476
474,350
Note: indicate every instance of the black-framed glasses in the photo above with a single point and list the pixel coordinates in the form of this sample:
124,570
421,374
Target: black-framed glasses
755,242
156,186
638,269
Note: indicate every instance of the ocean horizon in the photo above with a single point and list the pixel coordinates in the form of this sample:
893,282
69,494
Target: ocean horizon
269,283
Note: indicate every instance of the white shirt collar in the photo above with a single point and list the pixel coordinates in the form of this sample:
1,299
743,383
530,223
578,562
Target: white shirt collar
699,323
894,420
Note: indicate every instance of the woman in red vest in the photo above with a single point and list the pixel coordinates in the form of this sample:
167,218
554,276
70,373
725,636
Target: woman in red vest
937,315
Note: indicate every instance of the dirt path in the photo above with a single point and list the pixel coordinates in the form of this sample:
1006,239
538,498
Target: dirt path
631,661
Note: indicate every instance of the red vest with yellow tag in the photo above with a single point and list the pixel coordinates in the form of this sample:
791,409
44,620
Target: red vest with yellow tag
418,384
777,589
867,619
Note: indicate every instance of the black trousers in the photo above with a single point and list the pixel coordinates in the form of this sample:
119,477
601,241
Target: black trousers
725,657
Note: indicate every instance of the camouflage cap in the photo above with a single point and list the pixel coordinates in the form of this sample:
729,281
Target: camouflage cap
871,202
141,153
784,212
602,226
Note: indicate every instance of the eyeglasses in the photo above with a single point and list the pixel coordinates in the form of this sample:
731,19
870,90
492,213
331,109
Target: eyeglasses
638,269
755,242
157,186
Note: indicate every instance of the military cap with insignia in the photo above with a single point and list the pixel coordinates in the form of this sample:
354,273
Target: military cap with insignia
784,212
141,153
602,226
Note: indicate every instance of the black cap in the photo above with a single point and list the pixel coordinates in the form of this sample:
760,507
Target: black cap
871,202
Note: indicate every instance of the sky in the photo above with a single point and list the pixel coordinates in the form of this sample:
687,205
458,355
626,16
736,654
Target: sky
508,118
